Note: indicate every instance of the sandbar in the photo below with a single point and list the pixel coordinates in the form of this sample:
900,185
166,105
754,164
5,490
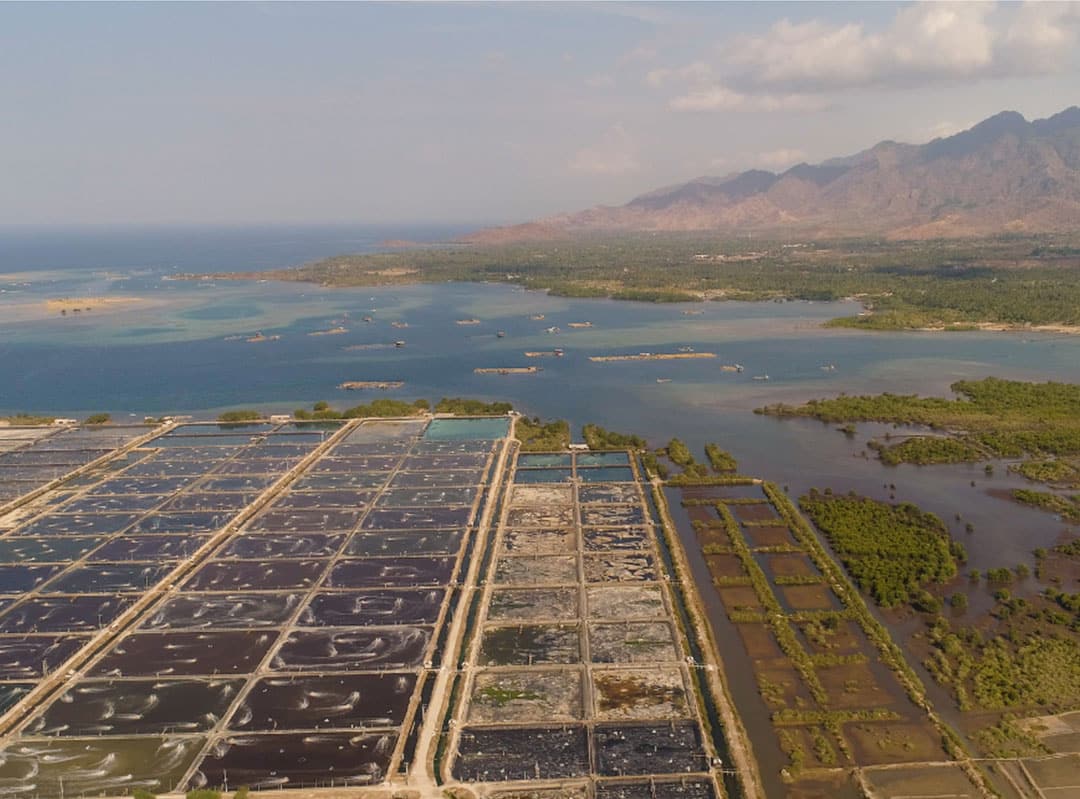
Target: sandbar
80,304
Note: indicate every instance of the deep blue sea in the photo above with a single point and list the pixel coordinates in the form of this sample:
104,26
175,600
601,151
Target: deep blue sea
198,249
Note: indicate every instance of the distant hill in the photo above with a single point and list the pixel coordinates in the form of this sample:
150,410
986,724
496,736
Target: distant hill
1003,175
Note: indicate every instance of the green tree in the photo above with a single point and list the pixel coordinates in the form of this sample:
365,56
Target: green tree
240,416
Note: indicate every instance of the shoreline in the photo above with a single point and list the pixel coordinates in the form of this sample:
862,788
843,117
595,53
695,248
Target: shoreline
996,327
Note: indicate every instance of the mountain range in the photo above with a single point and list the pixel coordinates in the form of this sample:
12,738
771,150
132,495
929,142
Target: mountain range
1005,174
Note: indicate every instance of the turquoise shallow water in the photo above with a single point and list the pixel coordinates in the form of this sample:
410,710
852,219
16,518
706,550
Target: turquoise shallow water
466,429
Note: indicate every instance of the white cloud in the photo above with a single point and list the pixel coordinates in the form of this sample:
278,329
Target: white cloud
698,71
779,159
797,65
1040,35
925,43
616,153
717,97
925,40
798,51
600,81
941,130
643,52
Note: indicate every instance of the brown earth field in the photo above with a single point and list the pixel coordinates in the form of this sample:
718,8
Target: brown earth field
725,566
852,686
758,640
881,742
754,513
810,597
769,537
791,565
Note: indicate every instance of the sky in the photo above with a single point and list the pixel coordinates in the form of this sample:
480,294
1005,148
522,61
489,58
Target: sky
372,113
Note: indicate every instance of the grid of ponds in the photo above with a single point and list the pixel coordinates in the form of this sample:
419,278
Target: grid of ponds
578,670
293,655
31,457
103,539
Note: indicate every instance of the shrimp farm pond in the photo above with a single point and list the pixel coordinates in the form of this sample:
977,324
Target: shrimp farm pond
392,605
417,608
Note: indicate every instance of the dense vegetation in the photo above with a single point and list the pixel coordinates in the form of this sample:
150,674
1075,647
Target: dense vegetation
472,407
246,415
1056,471
1009,280
1036,666
599,438
992,418
1066,507
99,418
654,466
679,454
379,408
1023,655
691,472
891,551
537,435
720,459
1071,548
980,405
384,407
924,450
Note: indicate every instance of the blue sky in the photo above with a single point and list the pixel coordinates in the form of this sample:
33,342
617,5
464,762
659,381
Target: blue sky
157,113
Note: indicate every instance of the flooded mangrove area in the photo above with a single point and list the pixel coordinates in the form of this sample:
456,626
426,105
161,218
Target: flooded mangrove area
828,692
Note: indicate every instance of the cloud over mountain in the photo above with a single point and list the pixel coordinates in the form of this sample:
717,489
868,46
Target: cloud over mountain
793,65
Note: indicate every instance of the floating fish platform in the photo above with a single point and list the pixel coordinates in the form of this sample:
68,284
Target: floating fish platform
360,385
508,370
652,356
